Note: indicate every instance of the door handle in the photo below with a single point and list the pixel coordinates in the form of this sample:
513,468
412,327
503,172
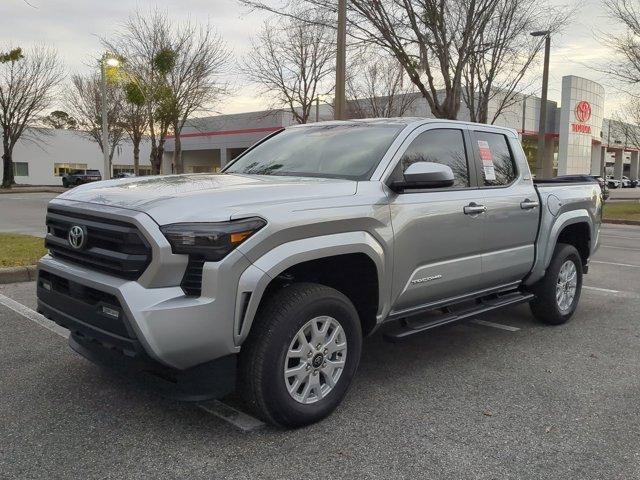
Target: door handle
529,204
474,209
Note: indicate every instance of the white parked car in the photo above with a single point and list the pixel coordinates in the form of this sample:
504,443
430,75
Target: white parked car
613,182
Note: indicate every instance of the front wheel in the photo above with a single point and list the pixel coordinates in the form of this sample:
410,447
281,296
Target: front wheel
558,293
301,355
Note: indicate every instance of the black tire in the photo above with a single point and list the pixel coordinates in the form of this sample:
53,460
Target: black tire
65,183
545,306
261,380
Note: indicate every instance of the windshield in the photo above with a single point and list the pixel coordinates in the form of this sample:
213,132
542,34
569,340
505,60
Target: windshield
351,151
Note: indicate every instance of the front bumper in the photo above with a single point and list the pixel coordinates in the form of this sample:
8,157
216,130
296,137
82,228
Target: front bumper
169,327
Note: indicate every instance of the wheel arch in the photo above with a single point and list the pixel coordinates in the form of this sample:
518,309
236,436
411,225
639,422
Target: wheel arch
323,259
573,227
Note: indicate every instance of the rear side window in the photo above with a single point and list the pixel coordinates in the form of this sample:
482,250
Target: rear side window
444,146
498,166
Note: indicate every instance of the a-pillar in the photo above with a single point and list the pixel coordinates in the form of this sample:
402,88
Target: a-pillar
618,166
633,171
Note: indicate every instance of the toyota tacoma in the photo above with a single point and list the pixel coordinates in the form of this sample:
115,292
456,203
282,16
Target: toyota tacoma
264,278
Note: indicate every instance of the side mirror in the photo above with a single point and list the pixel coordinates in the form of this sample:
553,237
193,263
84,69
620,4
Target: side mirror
425,175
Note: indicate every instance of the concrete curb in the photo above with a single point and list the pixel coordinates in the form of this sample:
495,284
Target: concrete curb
622,222
8,191
18,274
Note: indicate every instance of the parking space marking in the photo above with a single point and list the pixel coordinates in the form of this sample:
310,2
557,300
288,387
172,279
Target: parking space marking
33,316
619,236
621,248
495,325
598,289
616,264
607,291
238,419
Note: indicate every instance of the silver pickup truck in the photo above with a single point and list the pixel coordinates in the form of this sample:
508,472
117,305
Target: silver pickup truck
265,278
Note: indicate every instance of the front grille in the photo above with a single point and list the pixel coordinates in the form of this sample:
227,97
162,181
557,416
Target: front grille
112,246
192,278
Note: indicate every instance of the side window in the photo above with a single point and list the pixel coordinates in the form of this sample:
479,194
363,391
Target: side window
498,166
444,146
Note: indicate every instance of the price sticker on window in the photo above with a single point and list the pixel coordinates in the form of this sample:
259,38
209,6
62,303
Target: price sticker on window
487,160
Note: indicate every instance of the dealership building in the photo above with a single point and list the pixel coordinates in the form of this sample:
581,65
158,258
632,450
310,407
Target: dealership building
579,140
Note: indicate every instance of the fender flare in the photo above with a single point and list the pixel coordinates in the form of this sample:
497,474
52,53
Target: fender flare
255,279
545,246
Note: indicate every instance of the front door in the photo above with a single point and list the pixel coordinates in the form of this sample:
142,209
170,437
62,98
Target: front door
438,247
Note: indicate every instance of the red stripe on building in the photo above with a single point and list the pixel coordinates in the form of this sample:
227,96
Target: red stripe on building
229,132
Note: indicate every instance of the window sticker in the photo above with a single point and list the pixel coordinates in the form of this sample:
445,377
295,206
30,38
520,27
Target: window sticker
487,160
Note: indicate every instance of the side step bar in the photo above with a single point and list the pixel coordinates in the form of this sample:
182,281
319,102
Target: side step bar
408,328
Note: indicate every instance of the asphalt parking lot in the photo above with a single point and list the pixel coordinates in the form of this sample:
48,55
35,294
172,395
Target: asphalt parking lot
510,398
24,213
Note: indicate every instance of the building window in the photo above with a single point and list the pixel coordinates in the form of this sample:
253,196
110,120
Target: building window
202,169
143,170
59,169
20,169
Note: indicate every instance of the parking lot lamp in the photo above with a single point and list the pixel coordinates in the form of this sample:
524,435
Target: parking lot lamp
544,168
106,61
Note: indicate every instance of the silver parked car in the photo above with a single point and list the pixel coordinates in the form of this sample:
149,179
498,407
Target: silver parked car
265,278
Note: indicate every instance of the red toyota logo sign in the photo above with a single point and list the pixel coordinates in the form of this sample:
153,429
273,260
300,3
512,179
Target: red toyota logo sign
583,111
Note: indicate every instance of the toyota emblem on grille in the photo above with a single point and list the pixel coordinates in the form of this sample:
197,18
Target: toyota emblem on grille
77,237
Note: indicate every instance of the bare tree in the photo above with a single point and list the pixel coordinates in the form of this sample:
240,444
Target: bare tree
195,80
134,119
496,70
144,42
376,87
431,39
624,126
84,102
177,69
625,64
292,63
27,84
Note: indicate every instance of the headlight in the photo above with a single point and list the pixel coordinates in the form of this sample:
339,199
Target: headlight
211,241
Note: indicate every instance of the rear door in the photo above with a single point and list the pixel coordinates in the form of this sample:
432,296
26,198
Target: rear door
510,224
437,247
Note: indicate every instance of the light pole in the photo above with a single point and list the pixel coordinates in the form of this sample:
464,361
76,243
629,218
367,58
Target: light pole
340,107
544,168
106,61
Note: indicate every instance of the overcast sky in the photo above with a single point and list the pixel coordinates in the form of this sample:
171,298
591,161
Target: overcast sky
73,28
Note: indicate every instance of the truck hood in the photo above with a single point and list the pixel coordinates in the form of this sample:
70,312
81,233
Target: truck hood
205,197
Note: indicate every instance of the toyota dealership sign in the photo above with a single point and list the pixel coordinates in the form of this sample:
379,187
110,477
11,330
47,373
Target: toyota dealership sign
580,126
583,114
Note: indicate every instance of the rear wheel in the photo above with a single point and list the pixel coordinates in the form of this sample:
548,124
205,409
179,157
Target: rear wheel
302,353
65,183
558,293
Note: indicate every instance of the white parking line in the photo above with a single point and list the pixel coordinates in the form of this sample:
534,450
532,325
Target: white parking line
622,248
238,419
33,316
494,325
616,264
598,289
619,236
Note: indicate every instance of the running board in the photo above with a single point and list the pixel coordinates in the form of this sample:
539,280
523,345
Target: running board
408,328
